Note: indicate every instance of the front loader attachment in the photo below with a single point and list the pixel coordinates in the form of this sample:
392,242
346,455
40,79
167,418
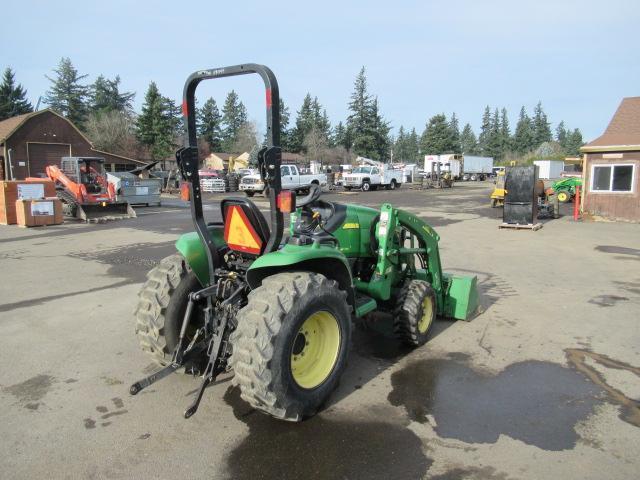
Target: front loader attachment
460,296
99,212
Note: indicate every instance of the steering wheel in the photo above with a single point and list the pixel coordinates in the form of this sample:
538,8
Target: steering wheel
314,194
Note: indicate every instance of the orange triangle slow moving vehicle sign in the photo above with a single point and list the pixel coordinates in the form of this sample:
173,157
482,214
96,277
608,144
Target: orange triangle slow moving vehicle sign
239,233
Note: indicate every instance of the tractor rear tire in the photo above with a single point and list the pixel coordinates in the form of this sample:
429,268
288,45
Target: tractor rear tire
415,313
563,196
289,314
162,301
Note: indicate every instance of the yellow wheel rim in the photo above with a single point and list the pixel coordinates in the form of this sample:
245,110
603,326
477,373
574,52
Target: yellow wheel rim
562,196
315,349
427,315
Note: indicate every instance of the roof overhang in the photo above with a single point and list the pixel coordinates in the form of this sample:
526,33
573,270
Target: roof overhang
609,148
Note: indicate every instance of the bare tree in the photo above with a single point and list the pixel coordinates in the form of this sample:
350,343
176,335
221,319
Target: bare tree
246,138
316,144
111,131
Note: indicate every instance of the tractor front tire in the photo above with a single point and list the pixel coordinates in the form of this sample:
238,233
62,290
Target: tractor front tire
162,301
291,344
415,313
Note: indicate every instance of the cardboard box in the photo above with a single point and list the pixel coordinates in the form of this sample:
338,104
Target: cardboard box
10,191
34,213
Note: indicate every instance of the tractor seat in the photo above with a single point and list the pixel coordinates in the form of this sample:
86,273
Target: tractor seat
254,217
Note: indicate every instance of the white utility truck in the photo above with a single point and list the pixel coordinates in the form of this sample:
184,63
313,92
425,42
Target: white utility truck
292,179
372,174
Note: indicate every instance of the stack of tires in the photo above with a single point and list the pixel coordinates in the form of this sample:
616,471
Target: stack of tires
232,181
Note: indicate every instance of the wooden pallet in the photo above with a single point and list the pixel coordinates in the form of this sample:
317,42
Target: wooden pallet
517,226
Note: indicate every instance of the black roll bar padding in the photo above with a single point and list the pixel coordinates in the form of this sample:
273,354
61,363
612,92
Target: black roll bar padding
269,158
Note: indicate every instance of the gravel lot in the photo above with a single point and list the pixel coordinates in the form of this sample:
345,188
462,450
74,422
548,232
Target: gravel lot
543,383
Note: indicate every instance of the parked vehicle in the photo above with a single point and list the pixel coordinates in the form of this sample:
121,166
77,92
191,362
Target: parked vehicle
565,189
372,175
82,186
292,179
476,168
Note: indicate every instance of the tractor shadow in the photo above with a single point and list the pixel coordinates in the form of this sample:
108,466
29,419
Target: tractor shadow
374,350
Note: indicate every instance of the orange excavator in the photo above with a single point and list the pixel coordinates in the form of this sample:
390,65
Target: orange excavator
82,186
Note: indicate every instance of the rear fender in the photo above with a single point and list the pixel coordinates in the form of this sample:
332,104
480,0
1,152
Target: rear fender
192,249
325,260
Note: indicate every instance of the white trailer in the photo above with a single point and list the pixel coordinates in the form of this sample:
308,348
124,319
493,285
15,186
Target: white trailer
476,168
549,168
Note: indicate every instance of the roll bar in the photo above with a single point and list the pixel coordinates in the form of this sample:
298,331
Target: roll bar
269,157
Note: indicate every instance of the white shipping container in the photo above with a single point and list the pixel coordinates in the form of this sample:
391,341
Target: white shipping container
548,169
478,164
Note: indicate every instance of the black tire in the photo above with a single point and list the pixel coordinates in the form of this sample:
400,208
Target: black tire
249,193
348,189
366,186
409,312
494,203
392,185
265,192
267,333
162,301
473,177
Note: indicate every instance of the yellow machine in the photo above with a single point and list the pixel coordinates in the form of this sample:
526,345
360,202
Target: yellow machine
497,196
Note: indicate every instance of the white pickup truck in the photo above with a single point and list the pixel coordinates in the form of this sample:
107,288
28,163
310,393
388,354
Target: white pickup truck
292,179
371,177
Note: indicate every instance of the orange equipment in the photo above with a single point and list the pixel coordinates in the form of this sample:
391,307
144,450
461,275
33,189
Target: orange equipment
81,184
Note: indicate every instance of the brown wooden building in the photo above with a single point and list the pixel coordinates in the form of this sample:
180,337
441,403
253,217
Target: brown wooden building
30,142
611,170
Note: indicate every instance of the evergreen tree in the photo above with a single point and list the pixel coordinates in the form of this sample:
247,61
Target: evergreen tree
12,97
454,129
413,146
234,116
105,96
468,141
541,128
494,141
436,138
157,125
361,122
304,123
574,142
209,124
561,135
67,95
400,152
285,132
340,136
505,134
381,131
485,132
523,140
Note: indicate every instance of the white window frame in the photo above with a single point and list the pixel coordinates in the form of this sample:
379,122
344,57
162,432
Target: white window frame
612,165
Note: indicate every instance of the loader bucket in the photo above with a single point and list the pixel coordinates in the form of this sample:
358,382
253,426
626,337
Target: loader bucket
97,212
461,296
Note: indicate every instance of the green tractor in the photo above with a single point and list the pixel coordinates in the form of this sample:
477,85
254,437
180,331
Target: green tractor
565,189
279,313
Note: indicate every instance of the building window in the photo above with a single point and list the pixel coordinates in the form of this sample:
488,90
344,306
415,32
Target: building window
612,178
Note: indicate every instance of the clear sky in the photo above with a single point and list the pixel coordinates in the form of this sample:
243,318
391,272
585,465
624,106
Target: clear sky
422,57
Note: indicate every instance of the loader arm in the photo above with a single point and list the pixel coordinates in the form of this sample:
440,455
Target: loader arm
78,190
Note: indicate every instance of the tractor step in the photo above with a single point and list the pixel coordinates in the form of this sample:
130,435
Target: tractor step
364,304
